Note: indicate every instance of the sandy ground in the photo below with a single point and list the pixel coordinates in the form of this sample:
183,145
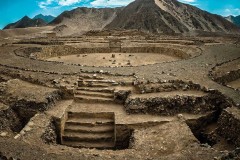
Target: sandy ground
24,32
235,84
121,59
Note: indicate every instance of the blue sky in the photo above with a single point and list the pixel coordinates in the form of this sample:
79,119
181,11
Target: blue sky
13,10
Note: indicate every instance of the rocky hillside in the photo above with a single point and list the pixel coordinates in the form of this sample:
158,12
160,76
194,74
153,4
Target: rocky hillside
84,19
234,20
47,18
169,16
26,22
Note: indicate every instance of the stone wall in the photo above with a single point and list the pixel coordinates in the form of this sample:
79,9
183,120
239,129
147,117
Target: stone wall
160,50
26,52
9,120
63,50
55,51
168,86
177,104
229,125
229,77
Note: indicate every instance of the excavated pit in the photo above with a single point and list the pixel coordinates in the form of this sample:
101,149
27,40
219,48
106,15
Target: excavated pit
124,137
191,102
15,118
11,120
206,130
20,101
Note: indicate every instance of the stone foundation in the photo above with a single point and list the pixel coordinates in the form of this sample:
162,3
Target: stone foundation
229,125
176,104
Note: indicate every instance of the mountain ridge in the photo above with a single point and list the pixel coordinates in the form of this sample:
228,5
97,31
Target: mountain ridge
234,19
166,16
46,18
26,22
155,16
84,19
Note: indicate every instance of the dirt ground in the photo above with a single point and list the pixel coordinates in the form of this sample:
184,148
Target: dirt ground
119,59
235,84
164,106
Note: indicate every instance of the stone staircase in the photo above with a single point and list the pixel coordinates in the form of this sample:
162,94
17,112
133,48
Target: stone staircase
95,90
89,130
94,129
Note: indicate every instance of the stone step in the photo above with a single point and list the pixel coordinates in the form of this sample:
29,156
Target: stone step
87,129
100,145
88,84
90,115
95,94
89,122
97,80
84,98
91,77
96,89
88,137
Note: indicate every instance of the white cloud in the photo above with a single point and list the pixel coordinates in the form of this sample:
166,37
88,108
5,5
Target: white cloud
110,3
95,3
46,3
191,2
231,11
68,2
187,1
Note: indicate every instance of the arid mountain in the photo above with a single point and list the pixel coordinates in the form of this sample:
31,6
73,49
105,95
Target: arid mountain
84,19
47,18
154,16
234,20
26,22
169,16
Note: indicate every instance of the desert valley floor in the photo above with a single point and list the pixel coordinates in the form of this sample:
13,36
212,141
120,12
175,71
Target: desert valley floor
120,97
